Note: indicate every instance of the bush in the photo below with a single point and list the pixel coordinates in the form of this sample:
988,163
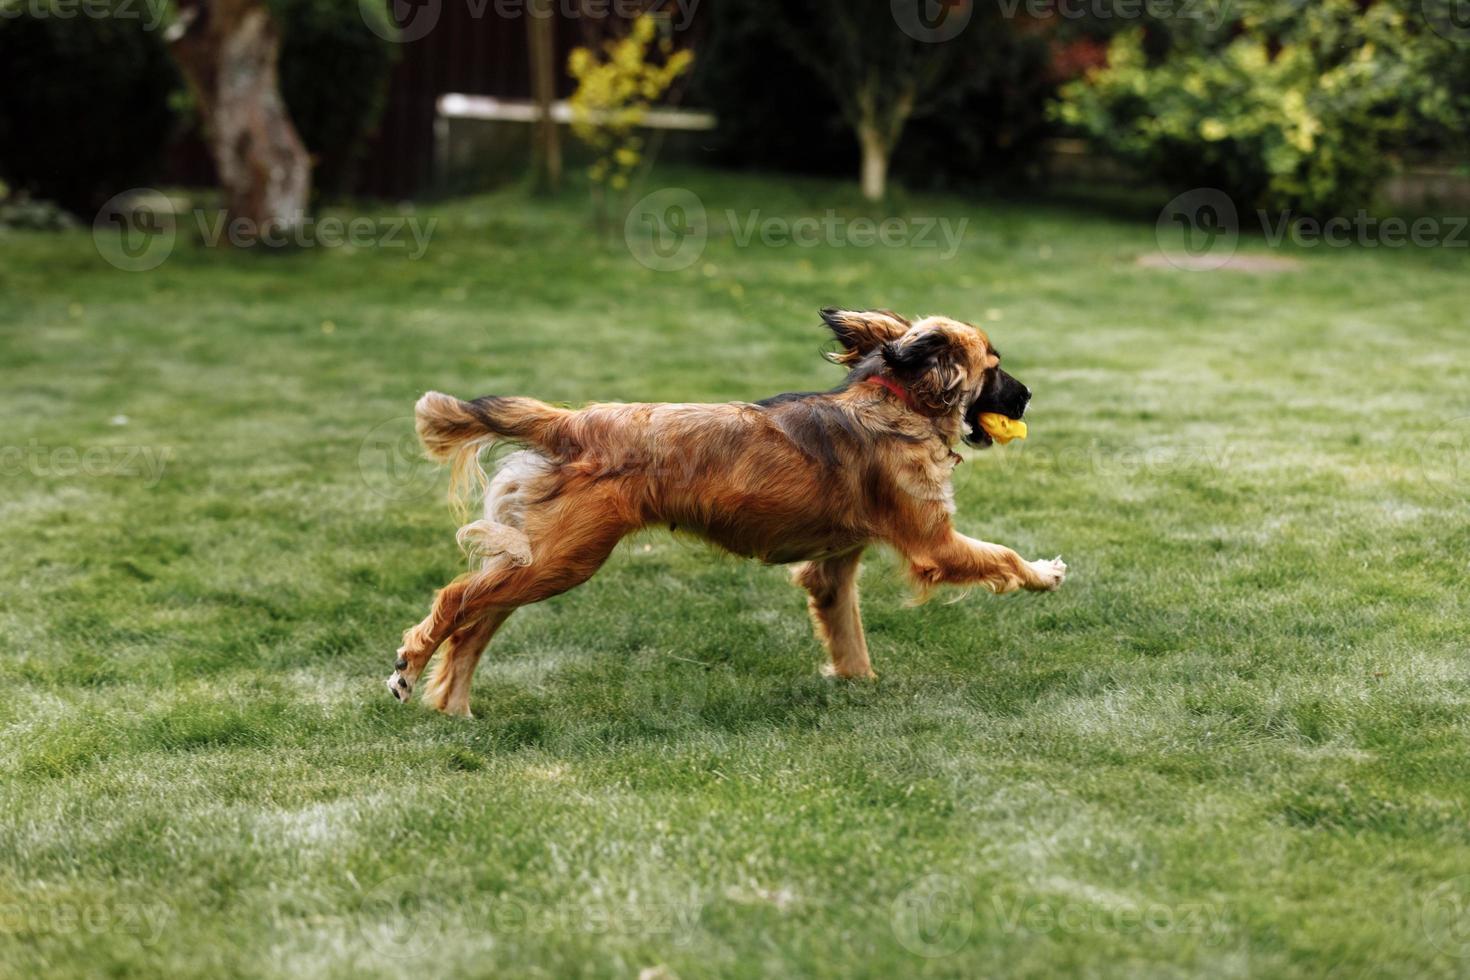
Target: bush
1290,107
334,78
86,107
776,114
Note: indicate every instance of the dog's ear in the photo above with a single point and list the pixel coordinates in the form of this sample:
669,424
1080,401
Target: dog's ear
931,367
862,333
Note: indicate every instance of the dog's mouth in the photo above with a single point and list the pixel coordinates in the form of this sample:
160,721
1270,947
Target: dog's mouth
1000,394
979,438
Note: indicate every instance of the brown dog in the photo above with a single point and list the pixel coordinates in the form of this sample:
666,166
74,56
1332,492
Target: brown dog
810,478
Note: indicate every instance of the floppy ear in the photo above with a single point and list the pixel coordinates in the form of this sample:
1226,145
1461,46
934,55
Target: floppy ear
929,366
862,333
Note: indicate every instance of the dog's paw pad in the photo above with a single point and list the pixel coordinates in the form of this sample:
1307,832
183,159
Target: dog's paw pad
399,686
1051,573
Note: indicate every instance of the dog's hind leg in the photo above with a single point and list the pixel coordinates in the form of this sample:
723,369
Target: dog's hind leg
449,689
570,537
833,601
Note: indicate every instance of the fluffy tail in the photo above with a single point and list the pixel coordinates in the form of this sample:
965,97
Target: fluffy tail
455,431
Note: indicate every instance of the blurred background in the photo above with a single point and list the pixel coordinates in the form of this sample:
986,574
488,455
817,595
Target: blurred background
1313,107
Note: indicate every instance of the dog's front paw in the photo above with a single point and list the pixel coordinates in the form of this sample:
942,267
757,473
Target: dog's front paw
399,686
1050,573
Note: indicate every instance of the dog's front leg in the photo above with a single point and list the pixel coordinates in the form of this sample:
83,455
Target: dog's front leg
958,560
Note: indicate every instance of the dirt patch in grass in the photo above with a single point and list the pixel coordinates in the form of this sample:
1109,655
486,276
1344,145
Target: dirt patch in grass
1208,263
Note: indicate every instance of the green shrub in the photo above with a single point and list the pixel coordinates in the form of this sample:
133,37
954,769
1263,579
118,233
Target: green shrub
334,78
85,111
1291,106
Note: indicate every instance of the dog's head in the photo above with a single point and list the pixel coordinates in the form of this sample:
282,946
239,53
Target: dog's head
947,367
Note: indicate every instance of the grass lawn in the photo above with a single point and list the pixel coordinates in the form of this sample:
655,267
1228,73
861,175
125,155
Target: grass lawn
1234,743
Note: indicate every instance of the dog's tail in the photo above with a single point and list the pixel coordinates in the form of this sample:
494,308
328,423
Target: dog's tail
455,431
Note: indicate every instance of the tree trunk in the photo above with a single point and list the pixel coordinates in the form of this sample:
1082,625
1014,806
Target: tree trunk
547,151
876,150
228,51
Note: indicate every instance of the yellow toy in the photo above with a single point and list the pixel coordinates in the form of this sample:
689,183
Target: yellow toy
1002,429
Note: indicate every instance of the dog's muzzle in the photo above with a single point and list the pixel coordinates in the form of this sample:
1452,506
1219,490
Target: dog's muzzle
1001,394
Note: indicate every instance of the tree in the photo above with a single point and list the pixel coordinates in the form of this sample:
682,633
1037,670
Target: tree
541,31
229,51
881,67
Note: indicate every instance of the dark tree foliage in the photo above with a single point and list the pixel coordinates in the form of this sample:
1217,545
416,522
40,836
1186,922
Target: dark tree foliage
86,107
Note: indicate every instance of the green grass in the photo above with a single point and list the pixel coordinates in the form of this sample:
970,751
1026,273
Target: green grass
1234,743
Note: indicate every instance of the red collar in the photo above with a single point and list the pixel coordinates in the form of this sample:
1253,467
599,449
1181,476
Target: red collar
894,387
